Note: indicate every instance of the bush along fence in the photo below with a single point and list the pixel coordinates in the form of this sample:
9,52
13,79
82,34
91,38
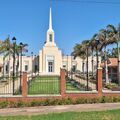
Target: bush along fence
58,93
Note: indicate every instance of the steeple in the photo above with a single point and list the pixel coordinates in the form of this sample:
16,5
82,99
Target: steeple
50,32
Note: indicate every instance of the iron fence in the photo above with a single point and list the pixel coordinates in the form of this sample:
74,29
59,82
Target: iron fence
111,83
44,85
78,82
10,86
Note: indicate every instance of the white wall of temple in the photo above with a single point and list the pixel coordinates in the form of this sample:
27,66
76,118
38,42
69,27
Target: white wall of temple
50,53
68,62
27,64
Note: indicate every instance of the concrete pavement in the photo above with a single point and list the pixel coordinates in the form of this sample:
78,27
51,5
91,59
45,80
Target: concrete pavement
58,109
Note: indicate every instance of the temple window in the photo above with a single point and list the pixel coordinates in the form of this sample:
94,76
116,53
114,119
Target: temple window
50,37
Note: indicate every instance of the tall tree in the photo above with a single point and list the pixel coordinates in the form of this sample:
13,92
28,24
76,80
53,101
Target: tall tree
79,51
97,45
5,48
114,33
92,46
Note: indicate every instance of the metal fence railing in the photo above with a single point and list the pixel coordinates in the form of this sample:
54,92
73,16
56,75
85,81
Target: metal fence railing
10,86
44,85
78,82
112,84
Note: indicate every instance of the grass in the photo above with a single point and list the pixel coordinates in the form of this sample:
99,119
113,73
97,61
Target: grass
103,115
44,85
71,87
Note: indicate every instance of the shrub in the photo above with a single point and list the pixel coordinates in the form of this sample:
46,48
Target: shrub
20,104
4,104
116,99
103,99
63,101
12,104
111,85
36,103
81,100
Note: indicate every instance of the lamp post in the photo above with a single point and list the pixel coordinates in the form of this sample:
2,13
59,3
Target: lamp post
21,46
14,51
32,62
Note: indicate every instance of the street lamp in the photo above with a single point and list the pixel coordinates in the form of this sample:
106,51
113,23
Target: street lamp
14,51
21,46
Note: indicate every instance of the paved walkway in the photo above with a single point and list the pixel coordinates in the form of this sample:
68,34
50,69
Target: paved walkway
90,84
58,109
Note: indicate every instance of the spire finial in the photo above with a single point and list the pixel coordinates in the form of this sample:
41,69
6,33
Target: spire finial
50,20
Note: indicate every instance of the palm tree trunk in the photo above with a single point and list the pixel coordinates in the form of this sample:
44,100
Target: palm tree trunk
106,67
9,68
83,68
17,65
92,64
87,71
3,67
96,59
118,63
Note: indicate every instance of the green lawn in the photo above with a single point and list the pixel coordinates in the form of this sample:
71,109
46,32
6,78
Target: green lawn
44,85
71,87
104,115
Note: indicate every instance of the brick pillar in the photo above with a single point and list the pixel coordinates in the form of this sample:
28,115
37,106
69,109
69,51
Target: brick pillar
63,81
24,85
99,79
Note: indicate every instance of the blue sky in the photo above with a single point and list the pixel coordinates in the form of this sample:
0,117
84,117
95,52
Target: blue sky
73,22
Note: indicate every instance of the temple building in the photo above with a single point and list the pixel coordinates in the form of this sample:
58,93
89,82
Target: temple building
50,59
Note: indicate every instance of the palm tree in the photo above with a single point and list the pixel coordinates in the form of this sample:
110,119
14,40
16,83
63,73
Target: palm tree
87,50
103,37
92,46
19,49
5,48
114,34
79,51
96,46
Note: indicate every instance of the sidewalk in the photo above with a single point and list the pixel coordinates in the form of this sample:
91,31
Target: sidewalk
58,109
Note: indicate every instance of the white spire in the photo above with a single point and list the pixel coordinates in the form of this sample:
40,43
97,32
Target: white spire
50,32
50,20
